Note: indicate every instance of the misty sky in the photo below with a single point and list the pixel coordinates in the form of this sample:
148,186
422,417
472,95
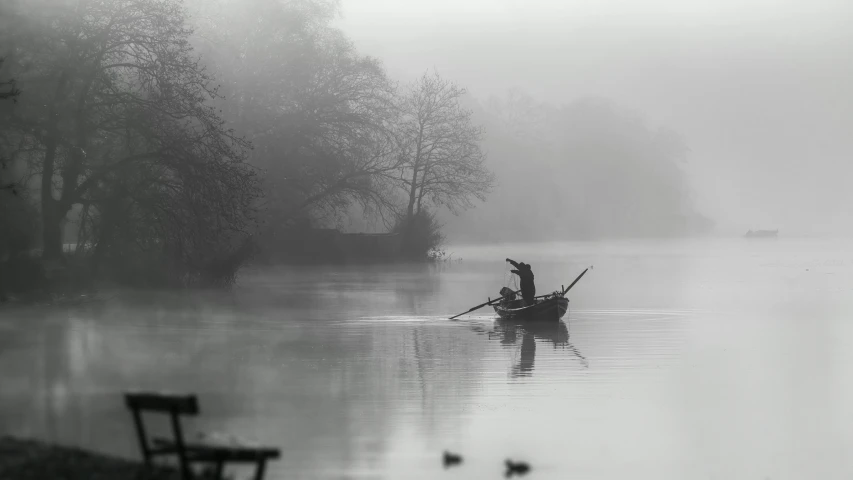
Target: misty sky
761,89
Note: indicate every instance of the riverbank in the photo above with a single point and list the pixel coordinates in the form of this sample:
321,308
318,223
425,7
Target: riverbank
23,459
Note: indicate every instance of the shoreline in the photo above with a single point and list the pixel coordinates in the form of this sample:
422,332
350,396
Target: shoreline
27,459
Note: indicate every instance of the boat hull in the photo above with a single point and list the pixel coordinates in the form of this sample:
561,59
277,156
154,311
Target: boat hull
546,309
762,234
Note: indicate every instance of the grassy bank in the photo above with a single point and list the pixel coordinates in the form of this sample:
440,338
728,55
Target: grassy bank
30,460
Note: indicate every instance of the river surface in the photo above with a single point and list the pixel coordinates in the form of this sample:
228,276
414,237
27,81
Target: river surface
723,359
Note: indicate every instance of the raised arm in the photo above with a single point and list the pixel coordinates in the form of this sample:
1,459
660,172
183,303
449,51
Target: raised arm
514,264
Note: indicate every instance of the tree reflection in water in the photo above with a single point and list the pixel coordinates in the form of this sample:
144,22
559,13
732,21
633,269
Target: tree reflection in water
507,331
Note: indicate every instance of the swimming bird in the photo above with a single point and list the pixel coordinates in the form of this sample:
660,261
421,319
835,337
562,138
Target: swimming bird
517,468
451,459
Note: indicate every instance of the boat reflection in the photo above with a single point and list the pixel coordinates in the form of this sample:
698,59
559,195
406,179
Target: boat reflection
507,332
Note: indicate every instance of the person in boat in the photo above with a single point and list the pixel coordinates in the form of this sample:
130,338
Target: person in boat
528,288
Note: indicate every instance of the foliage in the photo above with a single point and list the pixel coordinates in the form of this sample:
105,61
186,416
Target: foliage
318,114
122,125
422,237
153,153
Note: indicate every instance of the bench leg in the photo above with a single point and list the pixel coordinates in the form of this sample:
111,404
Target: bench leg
260,470
220,467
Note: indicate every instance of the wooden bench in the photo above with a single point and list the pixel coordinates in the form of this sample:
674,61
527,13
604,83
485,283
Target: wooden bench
212,451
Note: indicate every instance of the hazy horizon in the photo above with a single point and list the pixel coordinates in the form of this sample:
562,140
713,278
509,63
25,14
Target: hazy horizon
756,88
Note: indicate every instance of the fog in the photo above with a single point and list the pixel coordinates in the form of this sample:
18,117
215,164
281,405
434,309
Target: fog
761,90
581,120
308,213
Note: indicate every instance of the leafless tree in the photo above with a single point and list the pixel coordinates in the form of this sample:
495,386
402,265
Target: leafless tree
444,164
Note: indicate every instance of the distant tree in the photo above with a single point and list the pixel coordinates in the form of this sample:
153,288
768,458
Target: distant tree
519,115
443,164
590,170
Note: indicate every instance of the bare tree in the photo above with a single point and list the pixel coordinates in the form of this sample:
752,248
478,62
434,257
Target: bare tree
444,164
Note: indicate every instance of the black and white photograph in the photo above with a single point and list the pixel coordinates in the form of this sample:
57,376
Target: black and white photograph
426,239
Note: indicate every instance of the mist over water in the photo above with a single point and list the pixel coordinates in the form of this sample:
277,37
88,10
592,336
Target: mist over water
676,360
756,88
184,202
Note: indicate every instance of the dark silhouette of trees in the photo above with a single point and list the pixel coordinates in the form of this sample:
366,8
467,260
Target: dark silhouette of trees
318,114
7,87
7,91
122,119
167,147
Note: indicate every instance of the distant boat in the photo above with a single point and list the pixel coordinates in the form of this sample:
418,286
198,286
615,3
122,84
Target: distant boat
762,234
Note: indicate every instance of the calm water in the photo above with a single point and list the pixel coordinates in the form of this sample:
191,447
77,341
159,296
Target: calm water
678,360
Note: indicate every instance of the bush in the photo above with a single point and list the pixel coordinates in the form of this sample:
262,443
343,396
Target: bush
219,265
214,264
19,224
22,275
422,236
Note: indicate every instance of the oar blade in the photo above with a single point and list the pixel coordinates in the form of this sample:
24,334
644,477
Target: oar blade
576,280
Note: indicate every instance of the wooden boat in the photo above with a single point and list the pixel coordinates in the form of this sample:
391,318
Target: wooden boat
547,307
762,234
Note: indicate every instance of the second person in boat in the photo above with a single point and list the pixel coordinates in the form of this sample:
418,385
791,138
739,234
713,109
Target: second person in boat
528,288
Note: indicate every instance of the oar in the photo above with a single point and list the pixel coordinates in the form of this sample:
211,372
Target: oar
483,305
576,281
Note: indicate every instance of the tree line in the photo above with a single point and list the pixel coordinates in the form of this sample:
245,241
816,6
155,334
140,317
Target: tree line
583,170
170,139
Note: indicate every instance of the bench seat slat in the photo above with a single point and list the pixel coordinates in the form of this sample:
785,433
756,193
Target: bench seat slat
215,451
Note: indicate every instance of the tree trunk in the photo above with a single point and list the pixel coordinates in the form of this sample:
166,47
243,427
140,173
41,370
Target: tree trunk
51,230
421,193
410,212
50,216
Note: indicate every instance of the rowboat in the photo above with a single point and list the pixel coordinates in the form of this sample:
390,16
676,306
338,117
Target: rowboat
546,307
762,234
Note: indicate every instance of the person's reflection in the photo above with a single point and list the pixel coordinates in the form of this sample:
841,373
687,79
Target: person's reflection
528,355
555,332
